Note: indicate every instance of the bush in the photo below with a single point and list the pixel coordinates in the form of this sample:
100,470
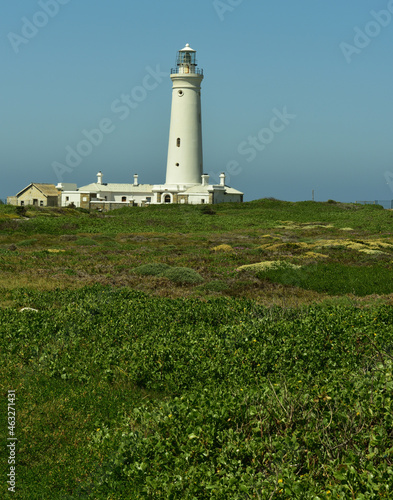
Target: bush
183,276
21,211
208,210
27,243
85,242
153,269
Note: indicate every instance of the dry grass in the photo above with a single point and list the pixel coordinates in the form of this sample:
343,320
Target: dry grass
267,264
222,248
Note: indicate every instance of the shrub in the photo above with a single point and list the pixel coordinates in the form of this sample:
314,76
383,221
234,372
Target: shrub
82,210
268,265
208,210
21,211
85,242
153,269
183,276
27,243
223,248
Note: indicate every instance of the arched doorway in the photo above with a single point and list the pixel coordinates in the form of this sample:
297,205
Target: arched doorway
167,198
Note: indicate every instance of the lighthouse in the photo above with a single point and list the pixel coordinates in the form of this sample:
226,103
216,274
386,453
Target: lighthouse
185,162
186,182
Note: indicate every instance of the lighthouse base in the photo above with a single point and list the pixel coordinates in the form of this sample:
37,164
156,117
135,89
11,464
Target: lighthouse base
197,194
108,196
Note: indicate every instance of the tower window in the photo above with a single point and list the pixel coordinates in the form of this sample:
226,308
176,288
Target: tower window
177,164
178,142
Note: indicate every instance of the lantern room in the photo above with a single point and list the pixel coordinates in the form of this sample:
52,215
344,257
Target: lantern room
186,61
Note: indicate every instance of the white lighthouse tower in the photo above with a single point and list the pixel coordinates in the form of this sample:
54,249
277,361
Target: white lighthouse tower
185,181
185,163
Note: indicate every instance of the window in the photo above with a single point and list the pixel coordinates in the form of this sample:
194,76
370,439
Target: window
148,199
67,198
41,203
202,201
167,198
178,142
124,198
84,198
22,203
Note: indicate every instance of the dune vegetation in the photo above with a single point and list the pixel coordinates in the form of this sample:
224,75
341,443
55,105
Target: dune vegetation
181,352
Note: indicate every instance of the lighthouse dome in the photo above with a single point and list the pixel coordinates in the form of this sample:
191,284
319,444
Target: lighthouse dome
187,48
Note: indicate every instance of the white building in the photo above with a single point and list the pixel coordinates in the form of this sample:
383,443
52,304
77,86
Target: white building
185,181
106,196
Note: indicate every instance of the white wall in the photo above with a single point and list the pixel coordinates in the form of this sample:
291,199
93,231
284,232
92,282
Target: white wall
68,197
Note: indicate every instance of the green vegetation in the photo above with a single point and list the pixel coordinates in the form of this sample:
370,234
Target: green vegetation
153,269
180,275
335,278
184,276
170,352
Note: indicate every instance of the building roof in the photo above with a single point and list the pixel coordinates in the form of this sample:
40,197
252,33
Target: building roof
46,189
117,188
229,190
209,188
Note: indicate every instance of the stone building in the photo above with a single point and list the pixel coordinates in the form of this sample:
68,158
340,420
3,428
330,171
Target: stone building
40,195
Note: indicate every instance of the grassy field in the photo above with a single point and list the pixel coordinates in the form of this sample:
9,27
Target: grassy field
226,352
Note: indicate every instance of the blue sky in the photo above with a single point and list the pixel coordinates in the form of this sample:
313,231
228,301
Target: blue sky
286,107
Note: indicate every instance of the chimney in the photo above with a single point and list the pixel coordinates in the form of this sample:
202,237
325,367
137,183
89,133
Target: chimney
135,179
99,177
205,179
222,179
